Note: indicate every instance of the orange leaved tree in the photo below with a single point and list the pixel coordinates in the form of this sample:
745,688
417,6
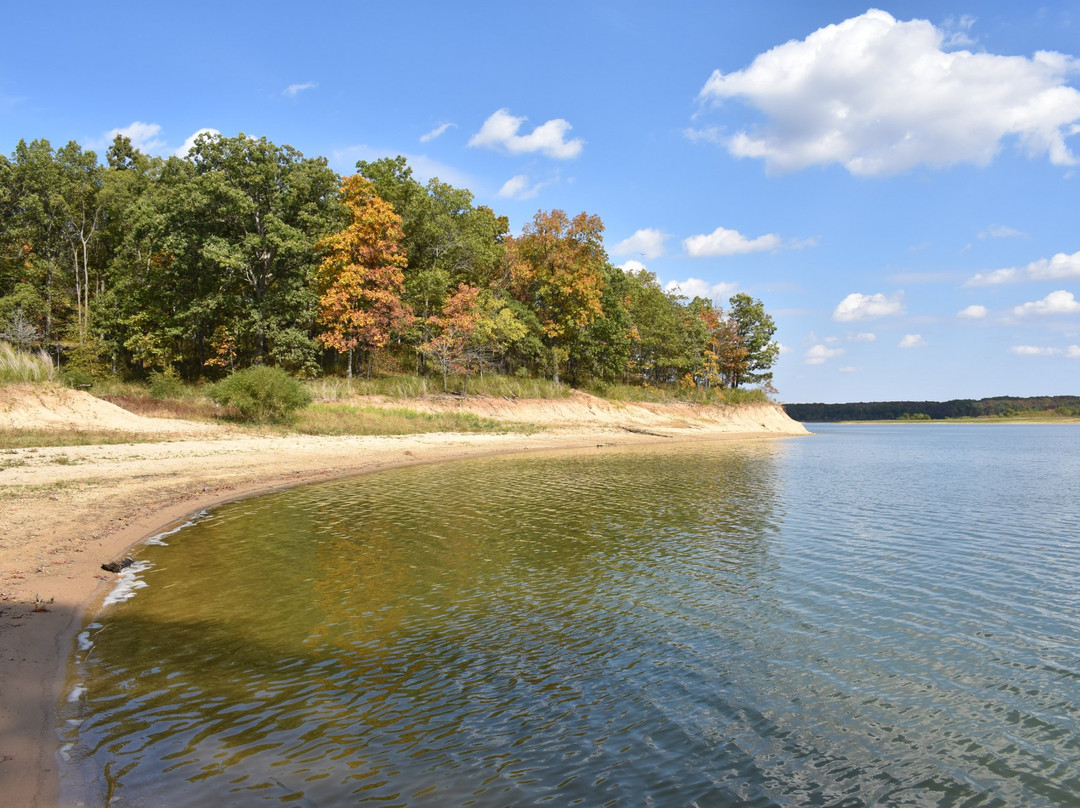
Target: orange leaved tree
360,278
452,345
557,268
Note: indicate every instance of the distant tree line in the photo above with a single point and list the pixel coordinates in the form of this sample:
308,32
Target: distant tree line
934,410
248,253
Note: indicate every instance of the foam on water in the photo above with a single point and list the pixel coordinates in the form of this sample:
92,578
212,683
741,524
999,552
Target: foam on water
128,584
159,539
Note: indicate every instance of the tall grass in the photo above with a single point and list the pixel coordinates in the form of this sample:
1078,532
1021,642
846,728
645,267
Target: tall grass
351,419
23,366
670,394
410,386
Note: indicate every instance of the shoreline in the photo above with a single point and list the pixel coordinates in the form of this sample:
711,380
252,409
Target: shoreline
67,510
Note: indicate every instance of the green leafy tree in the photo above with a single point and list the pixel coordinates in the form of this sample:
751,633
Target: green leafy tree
753,333
667,334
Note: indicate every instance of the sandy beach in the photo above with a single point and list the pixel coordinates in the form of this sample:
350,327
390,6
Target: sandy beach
65,511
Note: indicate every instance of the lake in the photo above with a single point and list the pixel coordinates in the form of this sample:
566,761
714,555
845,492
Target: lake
874,615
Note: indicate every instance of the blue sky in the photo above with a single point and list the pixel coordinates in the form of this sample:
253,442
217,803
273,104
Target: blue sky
898,184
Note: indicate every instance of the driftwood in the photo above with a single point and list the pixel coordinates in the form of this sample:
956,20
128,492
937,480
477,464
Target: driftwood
637,431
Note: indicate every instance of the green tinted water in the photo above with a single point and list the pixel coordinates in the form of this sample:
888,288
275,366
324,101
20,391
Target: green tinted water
869,616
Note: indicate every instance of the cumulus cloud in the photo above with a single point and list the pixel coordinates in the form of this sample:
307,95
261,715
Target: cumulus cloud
143,136
294,90
722,241
438,131
500,132
189,144
974,312
866,336
648,243
632,266
1073,352
819,354
1061,266
695,287
858,306
912,341
880,96
1059,302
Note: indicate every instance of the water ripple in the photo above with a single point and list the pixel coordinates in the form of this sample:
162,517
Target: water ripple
873,616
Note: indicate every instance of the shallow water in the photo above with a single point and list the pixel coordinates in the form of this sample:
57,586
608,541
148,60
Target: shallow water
873,615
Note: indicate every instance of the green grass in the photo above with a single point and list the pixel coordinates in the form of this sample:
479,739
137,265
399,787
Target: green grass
672,394
41,438
348,419
23,366
410,386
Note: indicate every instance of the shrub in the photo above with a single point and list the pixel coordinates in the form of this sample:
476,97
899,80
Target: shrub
261,394
166,384
78,378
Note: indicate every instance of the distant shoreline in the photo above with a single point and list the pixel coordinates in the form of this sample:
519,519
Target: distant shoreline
980,420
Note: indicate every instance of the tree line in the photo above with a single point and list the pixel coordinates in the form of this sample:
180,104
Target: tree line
934,410
245,253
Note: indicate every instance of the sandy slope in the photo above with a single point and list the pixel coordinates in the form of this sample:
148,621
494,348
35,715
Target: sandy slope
64,511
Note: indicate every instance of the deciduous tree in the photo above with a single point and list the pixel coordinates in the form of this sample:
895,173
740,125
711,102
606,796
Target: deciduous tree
360,280
753,333
557,268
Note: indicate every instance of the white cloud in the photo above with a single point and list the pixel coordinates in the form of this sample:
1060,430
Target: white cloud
500,131
848,369
1033,350
438,131
974,312
880,96
912,341
1059,302
722,241
1073,352
1059,267
866,336
1001,231
517,187
695,287
858,306
819,354
143,136
189,144
632,266
294,90
648,242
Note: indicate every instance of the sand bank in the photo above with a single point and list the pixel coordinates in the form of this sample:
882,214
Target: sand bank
65,511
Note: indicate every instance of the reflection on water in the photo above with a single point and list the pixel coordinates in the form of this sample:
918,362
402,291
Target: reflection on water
869,616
